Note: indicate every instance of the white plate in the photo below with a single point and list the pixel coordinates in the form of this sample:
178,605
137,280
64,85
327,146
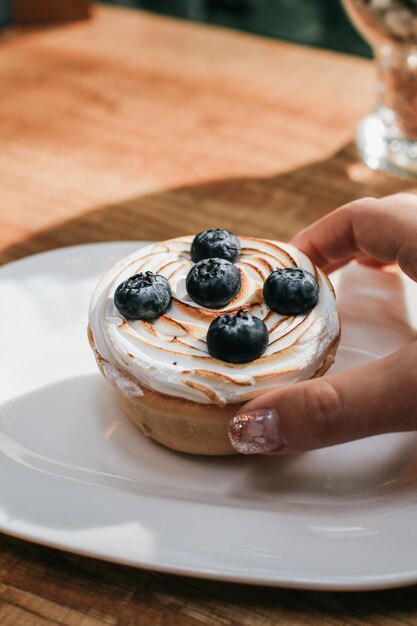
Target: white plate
76,474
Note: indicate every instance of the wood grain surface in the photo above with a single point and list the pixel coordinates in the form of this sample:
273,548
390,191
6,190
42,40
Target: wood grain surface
132,126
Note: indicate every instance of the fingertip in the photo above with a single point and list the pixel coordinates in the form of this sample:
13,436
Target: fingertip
306,242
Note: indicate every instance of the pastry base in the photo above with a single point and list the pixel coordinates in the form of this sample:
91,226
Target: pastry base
184,425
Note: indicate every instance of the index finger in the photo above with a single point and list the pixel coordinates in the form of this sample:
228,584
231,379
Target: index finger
384,229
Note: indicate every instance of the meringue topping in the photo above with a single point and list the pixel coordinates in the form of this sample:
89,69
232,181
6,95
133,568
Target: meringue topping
170,355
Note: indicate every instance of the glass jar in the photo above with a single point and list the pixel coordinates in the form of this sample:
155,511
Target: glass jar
387,137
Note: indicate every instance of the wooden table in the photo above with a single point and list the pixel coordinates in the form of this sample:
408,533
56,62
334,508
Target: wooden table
135,126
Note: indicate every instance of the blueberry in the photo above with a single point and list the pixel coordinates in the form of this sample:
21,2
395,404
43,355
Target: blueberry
213,283
215,243
143,296
291,291
237,338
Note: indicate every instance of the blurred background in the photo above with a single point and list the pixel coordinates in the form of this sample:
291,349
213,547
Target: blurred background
320,23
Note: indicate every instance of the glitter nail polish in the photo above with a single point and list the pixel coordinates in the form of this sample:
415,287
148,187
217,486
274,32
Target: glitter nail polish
256,432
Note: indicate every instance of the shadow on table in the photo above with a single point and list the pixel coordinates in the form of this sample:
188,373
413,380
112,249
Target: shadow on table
276,206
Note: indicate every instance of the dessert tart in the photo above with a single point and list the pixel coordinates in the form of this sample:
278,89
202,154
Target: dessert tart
187,330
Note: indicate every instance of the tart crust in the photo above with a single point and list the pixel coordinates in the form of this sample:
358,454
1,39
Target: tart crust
181,424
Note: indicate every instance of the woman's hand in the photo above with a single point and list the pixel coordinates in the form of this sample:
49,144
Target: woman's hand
376,398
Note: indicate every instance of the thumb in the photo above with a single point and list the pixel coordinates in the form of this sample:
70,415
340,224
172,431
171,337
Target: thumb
376,398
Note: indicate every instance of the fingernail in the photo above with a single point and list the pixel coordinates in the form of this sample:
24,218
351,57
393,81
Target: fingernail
256,432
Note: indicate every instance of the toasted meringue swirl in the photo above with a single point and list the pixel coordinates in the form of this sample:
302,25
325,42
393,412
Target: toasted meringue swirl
170,354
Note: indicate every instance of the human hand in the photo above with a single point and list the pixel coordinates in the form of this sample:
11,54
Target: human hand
379,397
